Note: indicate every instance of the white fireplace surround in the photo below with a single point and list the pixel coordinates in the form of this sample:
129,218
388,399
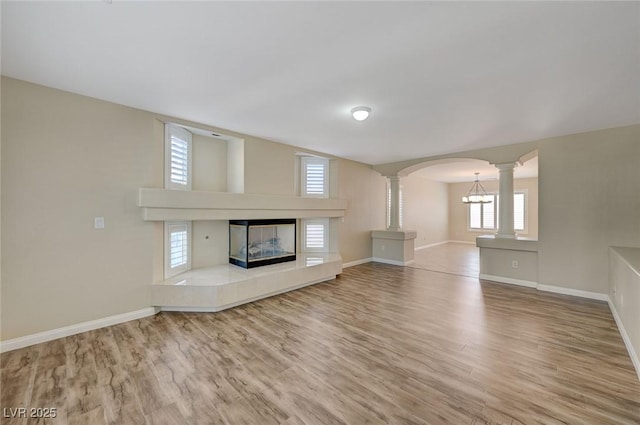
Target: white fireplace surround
224,286
164,204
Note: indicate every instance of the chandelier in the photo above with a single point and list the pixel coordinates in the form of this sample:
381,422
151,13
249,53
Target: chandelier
477,194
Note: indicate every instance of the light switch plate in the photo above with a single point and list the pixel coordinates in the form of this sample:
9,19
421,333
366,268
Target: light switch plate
98,222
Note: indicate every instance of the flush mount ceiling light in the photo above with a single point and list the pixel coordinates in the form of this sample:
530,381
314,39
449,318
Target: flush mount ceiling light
361,113
477,194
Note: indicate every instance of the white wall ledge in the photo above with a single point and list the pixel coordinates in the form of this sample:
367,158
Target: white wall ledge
400,235
519,244
164,204
631,256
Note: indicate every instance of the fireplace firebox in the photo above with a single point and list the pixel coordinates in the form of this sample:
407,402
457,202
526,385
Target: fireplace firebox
255,243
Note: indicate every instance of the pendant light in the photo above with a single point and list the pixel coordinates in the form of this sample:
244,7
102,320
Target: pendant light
477,194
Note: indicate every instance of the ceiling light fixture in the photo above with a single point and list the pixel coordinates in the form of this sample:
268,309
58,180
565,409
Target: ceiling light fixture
361,113
477,194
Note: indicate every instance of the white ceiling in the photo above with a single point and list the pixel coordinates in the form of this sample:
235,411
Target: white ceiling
462,171
440,77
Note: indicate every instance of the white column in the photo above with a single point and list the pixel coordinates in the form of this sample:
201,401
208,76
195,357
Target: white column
394,215
505,210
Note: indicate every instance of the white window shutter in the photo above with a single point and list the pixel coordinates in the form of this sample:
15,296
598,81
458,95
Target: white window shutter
475,216
315,177
178,153
488,214
177,248
315,236
518,211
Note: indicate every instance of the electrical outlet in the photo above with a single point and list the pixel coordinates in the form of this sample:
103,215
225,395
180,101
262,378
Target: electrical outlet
514,264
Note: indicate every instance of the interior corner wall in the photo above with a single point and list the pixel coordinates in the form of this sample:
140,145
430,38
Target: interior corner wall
67,159
209,164
425,209
458,212
589,200
365,192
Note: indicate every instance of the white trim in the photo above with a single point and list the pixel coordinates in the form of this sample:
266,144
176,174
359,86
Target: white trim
430,245
392,262
625,337
510,281
465,242
574,292
357,262
546,288
27,340
442,243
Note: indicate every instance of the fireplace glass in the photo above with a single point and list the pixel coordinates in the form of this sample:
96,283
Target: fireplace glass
254,243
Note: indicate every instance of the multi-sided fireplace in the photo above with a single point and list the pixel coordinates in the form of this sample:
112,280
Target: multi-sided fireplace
255,243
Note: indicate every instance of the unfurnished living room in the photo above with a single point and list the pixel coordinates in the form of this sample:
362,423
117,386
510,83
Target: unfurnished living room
320,213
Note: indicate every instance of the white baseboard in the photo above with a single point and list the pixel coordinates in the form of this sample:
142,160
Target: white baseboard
25,341
547,288
392,262
625,337
575,292
510,281
430,245
355,263
465,242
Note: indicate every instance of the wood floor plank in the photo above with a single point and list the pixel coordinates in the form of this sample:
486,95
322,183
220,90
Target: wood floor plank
378,345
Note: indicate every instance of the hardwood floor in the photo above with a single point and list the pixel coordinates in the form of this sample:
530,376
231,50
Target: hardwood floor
450,257
379,345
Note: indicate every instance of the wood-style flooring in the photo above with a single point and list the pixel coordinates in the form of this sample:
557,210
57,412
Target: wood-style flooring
379,345
451,257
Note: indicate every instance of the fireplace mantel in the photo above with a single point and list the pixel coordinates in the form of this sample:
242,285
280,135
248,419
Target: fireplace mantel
164,204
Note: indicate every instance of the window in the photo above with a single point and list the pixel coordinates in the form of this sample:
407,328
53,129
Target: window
177,243
315,177
315,235
485,216
518,211
400,219
178,158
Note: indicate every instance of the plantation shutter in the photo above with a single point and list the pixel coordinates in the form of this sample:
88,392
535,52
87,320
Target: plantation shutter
315,177
178,158
488,214
518,211
475,216
316,235
177,248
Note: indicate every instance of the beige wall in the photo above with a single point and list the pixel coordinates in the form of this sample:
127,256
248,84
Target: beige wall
425,209
458,229
269,167
67,159
589,200
365,191
209,164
